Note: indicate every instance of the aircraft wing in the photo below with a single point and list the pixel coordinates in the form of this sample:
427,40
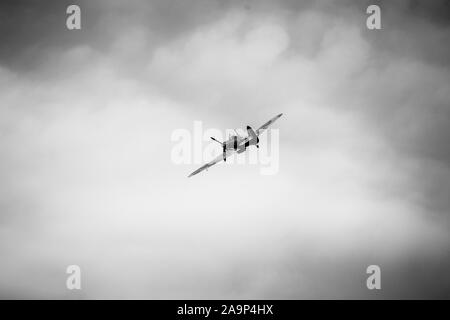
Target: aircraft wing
211,163
267,124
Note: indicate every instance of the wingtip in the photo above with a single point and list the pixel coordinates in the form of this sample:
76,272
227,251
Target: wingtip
192,174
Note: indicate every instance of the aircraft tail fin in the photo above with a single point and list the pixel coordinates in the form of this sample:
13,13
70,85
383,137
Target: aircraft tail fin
251,133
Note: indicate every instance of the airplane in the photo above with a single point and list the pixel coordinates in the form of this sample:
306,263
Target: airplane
237,143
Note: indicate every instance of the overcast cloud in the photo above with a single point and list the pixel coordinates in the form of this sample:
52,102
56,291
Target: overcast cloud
86,177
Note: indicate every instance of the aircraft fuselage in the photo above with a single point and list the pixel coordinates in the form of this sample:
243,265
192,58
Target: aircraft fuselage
235,143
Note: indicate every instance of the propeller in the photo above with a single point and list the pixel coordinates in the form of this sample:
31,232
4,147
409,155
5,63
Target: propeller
216,140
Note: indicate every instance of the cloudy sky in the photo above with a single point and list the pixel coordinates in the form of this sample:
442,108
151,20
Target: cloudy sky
86,175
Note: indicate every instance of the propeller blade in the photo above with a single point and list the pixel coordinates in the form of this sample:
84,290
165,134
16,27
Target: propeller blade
212,138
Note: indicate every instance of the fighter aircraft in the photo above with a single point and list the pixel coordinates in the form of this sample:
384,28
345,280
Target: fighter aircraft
237,143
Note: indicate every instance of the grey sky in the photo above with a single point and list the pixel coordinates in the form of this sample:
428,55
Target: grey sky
86,176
